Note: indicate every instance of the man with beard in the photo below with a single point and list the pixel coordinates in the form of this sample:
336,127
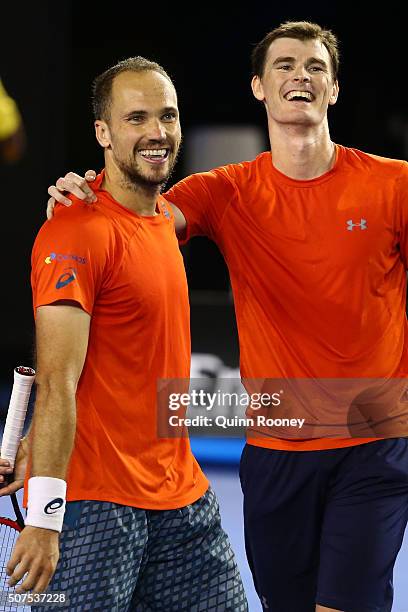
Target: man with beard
315,236
141,529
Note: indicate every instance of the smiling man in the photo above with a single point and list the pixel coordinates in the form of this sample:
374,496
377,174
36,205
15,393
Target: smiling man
315,238
142,529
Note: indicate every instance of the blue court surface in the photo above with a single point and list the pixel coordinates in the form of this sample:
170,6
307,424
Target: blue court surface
223,474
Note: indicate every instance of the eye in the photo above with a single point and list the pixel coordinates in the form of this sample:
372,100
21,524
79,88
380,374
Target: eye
136,118
284,67
316,68
171,116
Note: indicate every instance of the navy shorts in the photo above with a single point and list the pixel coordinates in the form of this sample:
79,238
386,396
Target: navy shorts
325,527
117,558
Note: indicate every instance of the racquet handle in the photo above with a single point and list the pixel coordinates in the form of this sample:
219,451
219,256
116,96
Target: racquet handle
20,395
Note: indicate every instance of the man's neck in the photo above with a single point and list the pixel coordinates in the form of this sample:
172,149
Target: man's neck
302,153
141,200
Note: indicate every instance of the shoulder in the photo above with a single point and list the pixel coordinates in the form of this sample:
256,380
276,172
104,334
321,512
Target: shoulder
241,171
79,219
227,177
377,165
80,228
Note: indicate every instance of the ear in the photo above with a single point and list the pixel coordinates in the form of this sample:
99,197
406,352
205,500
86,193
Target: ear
102,133
335,93
257,88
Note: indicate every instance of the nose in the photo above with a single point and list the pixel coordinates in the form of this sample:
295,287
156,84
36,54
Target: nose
300,75
156,130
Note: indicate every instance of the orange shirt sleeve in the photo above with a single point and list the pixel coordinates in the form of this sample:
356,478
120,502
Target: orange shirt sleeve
203,199
402,202
69,258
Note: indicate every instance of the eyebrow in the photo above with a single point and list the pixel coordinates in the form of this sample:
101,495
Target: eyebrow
311,60
167,109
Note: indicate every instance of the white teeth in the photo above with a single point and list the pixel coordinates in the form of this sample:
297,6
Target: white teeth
153,152
299,94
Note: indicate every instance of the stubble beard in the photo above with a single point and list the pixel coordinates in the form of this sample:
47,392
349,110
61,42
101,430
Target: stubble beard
134,179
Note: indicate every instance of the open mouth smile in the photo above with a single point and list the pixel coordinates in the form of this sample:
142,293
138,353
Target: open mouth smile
154,156
299,96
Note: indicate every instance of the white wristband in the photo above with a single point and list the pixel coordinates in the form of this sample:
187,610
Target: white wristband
46,502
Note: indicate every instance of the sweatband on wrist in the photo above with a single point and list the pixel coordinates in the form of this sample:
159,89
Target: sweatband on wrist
46,502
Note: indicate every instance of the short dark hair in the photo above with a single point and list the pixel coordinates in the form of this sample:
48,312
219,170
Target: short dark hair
102,85
302,30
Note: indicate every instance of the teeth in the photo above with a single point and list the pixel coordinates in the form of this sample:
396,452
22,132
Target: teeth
153,152
299,94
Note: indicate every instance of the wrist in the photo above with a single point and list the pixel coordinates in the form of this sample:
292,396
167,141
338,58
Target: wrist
46,502
41,531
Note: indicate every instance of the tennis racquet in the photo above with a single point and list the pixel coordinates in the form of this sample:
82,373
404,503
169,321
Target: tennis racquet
10,528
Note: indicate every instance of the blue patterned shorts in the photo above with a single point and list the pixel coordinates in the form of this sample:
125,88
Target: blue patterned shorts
122,559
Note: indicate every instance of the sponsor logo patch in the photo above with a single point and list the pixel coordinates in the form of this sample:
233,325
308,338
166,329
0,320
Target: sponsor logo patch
59,257
67,277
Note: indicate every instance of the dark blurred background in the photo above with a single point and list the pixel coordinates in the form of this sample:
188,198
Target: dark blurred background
51,51
49,54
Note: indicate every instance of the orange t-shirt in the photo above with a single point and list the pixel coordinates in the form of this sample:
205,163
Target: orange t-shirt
127,272
318,269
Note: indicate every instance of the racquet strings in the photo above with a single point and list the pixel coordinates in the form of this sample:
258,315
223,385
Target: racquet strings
8,537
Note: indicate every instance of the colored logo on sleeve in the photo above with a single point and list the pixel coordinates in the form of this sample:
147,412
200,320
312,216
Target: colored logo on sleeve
66,278
58,257
54,505
164,210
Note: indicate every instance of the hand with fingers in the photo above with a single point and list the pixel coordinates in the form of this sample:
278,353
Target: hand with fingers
71,183
13,480
35,557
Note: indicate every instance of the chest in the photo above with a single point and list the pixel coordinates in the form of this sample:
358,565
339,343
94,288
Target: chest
148,277
336,227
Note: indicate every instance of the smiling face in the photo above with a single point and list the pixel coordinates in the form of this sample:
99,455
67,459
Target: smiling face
142,136
297,84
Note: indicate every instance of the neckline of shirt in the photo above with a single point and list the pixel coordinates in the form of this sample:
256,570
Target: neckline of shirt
114,204
305,183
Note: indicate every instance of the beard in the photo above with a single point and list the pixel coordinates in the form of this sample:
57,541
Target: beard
136,179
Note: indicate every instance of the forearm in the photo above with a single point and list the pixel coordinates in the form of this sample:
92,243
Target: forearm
53,430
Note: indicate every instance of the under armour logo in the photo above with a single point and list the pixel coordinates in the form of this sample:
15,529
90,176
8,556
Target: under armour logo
362,225
264,603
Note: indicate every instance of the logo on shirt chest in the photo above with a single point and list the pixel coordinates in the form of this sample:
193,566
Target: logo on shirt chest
351,225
